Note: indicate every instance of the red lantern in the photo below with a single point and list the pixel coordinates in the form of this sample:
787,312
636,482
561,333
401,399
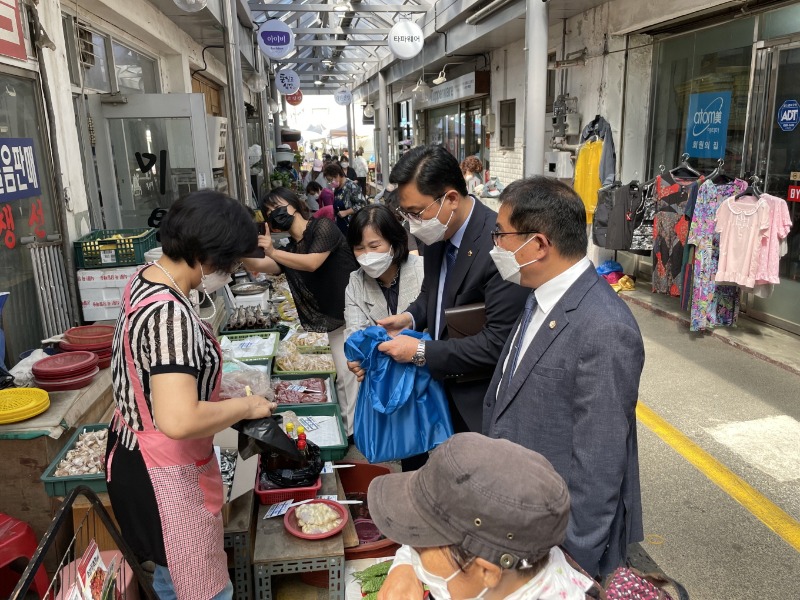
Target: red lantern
295,99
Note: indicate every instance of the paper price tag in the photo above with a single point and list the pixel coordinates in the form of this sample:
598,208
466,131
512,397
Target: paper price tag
333,497
108,256
327,468
309,423
279,509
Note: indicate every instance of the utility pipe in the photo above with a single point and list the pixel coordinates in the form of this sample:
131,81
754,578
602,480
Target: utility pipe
240,173
349,133
381,120
536,31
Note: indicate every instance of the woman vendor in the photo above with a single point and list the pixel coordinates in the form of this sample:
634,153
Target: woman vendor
163,478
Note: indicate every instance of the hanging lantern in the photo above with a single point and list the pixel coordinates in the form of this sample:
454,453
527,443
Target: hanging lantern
191,6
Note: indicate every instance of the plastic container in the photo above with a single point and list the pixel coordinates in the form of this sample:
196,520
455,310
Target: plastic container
90,335
72,383
290,521
257,360
101,250
60,486
65,365
325,409
19,404
267,497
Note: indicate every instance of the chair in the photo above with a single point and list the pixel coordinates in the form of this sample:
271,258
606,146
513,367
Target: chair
17,546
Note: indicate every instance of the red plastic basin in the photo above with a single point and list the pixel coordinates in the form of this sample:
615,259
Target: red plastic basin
66,364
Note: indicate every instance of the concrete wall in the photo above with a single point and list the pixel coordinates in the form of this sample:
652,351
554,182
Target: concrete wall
508,83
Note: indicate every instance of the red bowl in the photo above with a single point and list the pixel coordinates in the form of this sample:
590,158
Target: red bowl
64,364
290,521
65,385
66,346
104,363
90,334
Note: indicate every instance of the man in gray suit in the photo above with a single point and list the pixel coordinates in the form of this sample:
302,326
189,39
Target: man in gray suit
567,382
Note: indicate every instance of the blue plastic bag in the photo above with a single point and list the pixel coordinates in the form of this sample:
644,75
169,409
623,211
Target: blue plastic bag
609,266
401,410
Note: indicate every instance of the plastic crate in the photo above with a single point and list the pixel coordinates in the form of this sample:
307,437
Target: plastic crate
282,494
61,486
100,250
333,397
278,373
325,409
258,360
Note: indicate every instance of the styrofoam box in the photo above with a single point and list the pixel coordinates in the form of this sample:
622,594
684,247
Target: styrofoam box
101,314
104,278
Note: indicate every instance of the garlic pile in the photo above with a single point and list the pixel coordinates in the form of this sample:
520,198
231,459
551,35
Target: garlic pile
87,457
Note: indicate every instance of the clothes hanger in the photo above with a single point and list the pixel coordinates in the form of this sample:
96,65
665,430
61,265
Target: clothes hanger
753,189
649,182
685,167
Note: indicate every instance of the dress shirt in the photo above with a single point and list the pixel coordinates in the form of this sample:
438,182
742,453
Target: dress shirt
547,296
456,241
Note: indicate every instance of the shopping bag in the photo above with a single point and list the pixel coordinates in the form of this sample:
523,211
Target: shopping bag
401,410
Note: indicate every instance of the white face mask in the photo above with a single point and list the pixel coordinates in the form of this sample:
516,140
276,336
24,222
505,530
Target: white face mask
312,196
375,264
436,584
429,231
210,284
507,264
345,165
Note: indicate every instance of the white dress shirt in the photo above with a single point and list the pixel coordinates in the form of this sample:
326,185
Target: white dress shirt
547,296
456,241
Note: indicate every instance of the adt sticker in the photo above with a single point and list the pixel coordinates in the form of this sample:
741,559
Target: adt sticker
789,115
707,124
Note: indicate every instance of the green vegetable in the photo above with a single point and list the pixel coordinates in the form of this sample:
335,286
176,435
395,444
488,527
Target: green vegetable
379,570
372,585
371,596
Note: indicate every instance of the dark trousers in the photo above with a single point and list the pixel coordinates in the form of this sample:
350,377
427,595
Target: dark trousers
362,181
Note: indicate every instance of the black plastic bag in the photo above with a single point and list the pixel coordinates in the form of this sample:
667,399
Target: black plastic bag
258,436
288,477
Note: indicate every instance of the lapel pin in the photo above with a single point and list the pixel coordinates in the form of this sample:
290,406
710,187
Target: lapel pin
469,252
552,324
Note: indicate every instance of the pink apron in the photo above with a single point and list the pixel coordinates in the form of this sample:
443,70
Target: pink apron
187,484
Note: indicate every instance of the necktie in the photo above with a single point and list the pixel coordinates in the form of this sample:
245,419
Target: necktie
450,255
514,353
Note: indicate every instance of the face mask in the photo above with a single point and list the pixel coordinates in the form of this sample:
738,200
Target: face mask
312,196
334,184
211,283
375,263
429,231
280,219
507,264
345,165
436,584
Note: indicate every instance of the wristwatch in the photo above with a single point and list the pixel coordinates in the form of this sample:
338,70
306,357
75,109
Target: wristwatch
419,356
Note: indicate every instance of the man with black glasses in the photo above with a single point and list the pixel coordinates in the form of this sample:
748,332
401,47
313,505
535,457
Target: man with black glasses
459,272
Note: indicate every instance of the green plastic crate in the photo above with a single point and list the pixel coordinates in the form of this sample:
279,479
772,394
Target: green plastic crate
256,360
333,396
98,249
61,486
322,410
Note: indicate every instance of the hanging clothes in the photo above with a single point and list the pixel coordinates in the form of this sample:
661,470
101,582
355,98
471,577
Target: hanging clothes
600,129
743,224
712,305
674,206
780,224
642,236
625,215
587,176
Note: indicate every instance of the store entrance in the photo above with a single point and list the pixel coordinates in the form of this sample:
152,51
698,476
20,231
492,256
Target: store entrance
774,155
151,150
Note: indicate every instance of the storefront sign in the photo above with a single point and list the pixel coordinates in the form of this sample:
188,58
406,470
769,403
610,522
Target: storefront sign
342,96
405,39
295,99
19,177
12,42
460,88
707,125
275,39
287,81
794,193
789,115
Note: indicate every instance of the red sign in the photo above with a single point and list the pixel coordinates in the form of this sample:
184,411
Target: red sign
794,193
295,99
12,42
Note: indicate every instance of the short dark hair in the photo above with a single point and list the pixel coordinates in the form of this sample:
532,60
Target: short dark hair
432,169
385,224
272,200
313,187
210,228
550,207
333,170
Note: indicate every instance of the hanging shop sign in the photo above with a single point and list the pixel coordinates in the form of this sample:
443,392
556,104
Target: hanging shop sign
295,99
707,124
405,39
287,81
465,87
789,115
794,193
342,96
19,177
275,39
12,41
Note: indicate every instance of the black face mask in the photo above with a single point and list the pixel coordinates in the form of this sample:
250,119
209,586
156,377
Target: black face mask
280,219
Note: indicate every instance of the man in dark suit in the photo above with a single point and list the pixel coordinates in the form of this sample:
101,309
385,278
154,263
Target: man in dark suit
567,381
456,229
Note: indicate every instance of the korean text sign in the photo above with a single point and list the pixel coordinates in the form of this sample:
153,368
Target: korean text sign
707,124
19,177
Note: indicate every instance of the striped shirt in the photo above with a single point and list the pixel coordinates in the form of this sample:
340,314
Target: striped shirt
166,337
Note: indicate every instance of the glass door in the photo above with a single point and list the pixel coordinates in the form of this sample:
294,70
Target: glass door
775,157
151,150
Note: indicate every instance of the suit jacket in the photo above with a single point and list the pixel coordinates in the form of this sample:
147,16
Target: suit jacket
573,400
364,302
474,279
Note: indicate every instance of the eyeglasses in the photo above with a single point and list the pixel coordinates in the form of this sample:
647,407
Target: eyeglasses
417,216
496,235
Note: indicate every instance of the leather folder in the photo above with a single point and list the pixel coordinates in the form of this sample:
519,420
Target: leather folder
464,321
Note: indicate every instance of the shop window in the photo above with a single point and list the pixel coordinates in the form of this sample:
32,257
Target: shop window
136,73
508,118
93,59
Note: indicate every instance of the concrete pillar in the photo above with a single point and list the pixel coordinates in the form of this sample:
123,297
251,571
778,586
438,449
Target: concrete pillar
536,35
381,121
239,171
349,132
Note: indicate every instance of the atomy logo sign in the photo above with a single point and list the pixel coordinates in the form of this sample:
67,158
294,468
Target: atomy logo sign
708,117
707,124
275,39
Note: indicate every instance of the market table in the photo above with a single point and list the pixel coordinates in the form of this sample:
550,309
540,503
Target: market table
278,552
239,539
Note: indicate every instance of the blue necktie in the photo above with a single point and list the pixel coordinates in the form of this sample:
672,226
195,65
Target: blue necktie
450,255
514,353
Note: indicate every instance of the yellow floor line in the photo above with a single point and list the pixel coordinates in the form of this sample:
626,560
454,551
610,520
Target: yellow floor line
764,510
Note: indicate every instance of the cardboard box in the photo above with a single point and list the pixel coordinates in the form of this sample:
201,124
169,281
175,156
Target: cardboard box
244,476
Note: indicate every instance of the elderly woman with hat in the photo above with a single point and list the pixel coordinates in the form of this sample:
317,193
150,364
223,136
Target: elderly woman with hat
472,530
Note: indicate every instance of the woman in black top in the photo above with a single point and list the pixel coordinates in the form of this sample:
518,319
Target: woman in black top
317,263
